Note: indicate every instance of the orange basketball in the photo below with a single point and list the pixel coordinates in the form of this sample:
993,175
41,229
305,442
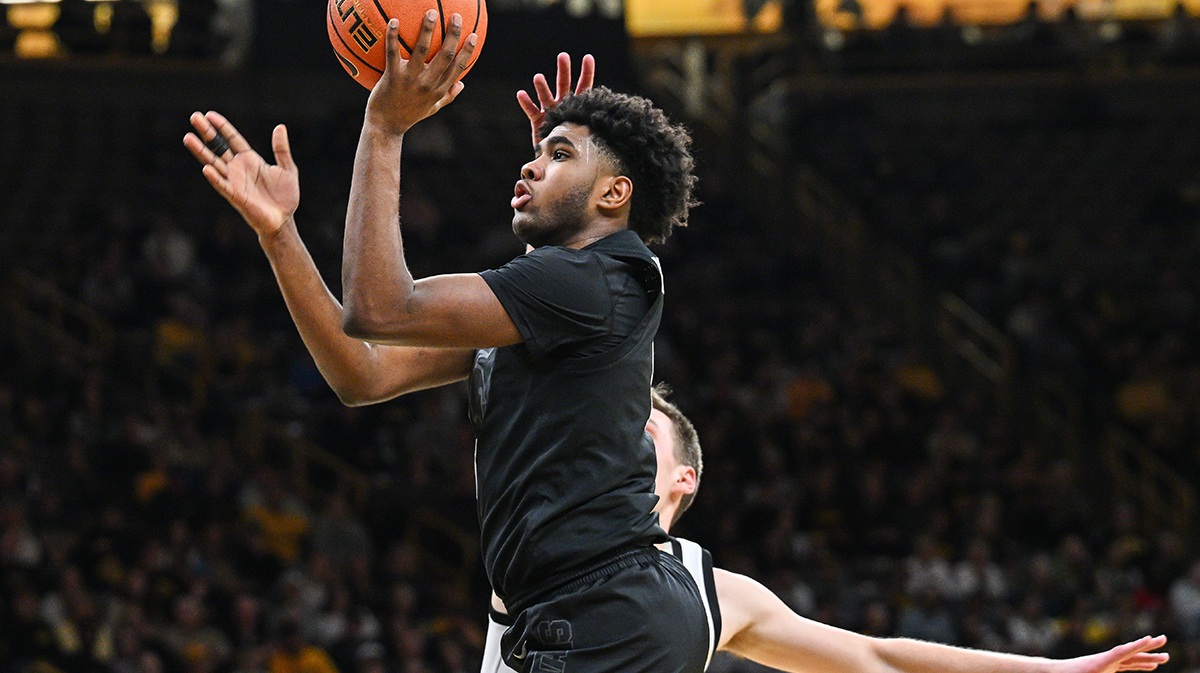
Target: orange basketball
356,30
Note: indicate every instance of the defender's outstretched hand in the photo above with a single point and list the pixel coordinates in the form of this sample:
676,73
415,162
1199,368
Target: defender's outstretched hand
537,111
411,89
1132,656
266,195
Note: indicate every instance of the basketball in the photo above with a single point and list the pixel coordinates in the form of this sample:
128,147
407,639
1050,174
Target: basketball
356,30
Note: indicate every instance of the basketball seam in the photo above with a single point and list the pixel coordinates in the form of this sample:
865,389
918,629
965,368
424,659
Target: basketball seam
442,20
475,29
349,49
386,20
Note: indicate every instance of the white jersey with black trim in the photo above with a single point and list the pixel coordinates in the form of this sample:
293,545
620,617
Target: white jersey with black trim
699,565
492,661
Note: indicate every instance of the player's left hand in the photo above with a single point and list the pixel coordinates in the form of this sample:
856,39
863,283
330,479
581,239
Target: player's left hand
266,195
1132,656
562,88
411,89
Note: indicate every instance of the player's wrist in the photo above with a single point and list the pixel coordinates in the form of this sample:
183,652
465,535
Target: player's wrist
378,128
270,238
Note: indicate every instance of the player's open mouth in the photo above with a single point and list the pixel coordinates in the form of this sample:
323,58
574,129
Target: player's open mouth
521,195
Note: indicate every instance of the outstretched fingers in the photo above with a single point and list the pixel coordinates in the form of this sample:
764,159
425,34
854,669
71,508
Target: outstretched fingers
453,61
563,85
446,66
391,50
587,74
1140,663
282,149
219,180
237,144
420,52
1137,655
529,107
198,141
442,61
455,89
546,100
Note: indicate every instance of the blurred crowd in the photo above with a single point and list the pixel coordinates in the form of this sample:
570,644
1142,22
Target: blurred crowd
1065,213
153,518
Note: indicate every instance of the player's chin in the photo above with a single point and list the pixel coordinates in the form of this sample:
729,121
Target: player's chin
526,229
522,224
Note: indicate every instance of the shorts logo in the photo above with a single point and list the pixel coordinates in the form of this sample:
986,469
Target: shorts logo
557,632
554,634
549,662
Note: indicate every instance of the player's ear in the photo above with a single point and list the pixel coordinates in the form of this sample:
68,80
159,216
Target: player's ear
685,480
616,192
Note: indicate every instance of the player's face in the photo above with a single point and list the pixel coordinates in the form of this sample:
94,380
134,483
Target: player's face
553,199
662,431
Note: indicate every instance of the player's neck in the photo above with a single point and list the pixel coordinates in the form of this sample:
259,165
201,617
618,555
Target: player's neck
665,518
594,232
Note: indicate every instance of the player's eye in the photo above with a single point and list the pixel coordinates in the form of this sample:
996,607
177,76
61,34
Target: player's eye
559,154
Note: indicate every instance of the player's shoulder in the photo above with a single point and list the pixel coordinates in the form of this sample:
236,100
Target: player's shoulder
553,270
699,565
680,547
555,260
695,558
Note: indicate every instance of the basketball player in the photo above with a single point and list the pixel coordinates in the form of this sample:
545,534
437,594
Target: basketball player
745,618
557,345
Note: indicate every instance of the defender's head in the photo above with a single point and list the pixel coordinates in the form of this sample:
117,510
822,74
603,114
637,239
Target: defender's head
679,459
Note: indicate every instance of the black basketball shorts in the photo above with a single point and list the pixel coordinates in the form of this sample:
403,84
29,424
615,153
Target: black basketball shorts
639,612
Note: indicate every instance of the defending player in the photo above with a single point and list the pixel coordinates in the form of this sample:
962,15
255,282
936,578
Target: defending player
557,344
748,620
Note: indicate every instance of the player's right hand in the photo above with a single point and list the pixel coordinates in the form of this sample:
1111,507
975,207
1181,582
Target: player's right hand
411,89
266,195
537,111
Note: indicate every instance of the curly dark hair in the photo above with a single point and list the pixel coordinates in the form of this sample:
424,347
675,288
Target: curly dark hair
654,153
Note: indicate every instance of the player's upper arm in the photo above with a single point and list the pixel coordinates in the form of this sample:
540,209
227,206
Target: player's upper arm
448,311
396,370
553,299
760,627
559,299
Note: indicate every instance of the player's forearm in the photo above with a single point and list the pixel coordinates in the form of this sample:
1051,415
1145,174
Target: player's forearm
376,283
833,650
913,656
760,627
346,363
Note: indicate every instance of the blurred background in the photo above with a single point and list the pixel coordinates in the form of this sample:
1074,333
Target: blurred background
935,321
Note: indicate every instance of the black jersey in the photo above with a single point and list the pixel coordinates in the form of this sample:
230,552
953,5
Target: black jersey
564,468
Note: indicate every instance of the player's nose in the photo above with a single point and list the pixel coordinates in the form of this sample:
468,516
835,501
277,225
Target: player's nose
530,171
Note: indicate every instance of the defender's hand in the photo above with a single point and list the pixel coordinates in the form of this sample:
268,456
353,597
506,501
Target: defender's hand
266,195
411,89
1132,656
537,111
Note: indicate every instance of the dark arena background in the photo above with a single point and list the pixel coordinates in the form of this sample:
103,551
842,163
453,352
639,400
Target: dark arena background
936,323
